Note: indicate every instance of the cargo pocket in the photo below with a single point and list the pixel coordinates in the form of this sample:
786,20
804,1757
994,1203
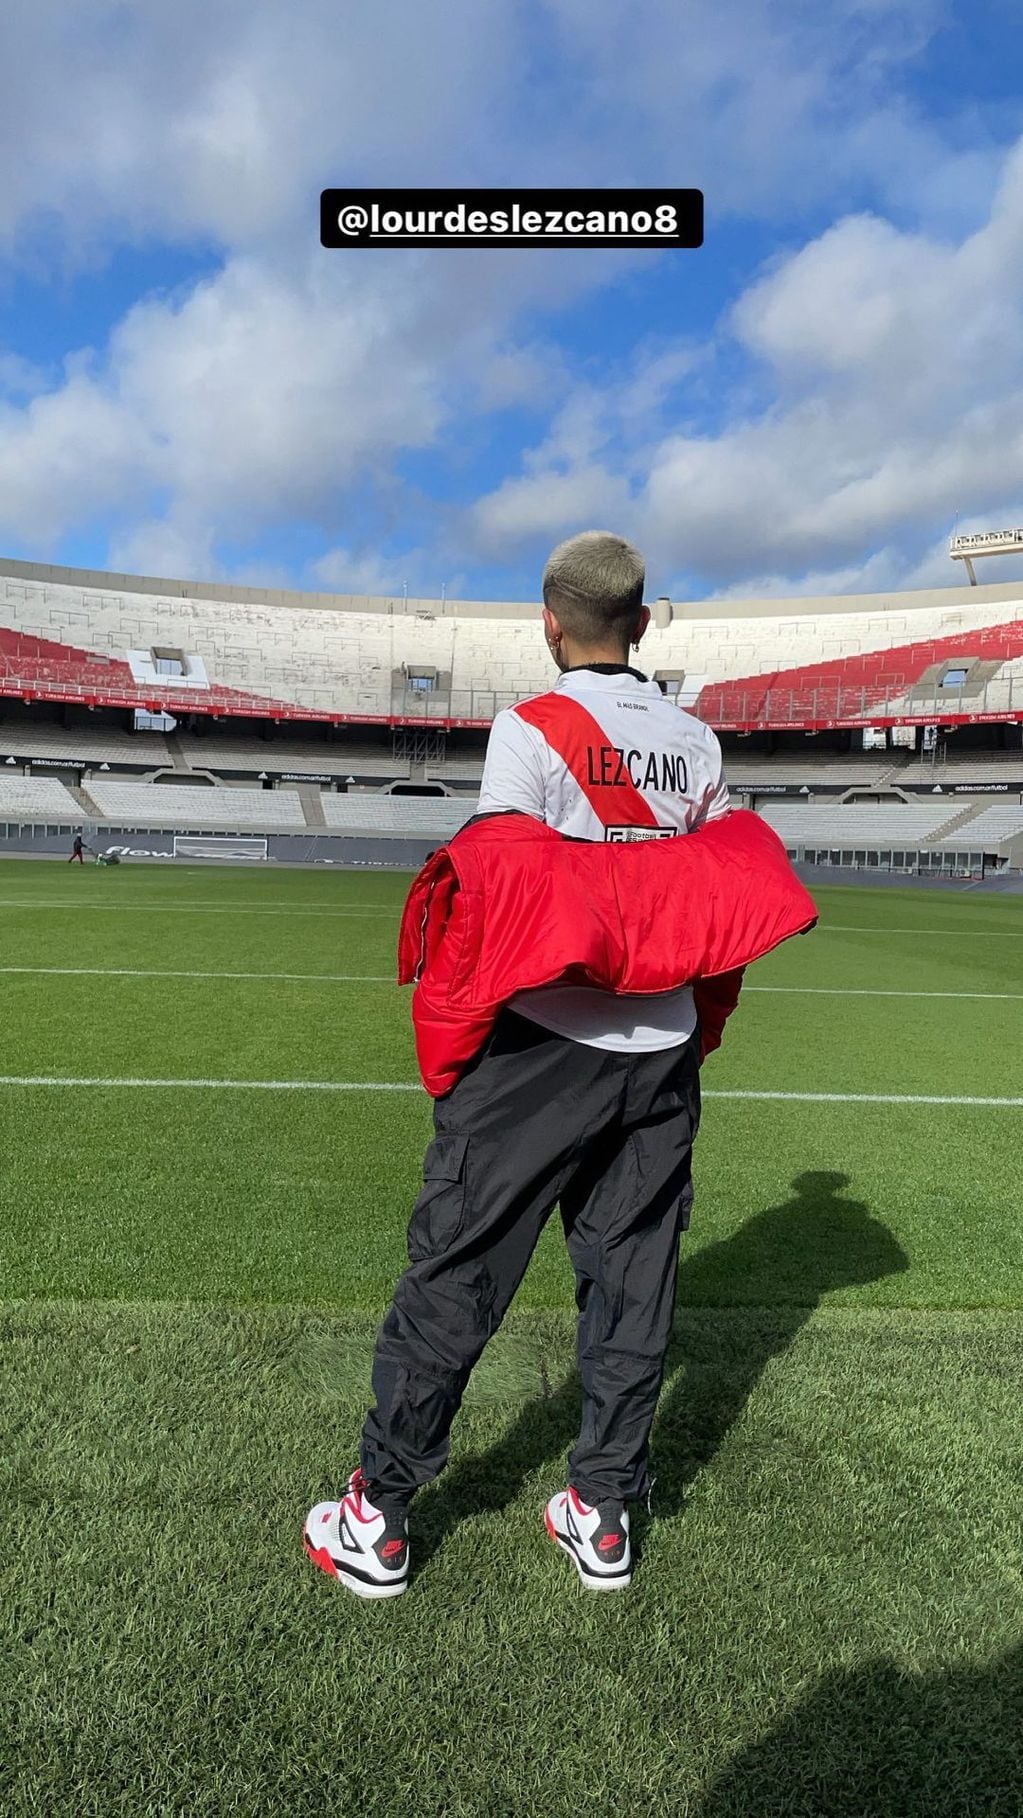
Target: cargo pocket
439,1213
686,1206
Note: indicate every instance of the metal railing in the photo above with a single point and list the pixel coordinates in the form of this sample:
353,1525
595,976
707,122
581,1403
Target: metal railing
723,705
929,861
729,708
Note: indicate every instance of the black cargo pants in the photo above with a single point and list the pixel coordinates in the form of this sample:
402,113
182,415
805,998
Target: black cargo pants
539,1120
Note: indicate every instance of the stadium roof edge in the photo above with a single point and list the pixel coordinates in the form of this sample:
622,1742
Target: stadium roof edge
793,606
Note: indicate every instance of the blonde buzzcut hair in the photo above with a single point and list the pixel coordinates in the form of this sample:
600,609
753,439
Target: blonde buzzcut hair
593,583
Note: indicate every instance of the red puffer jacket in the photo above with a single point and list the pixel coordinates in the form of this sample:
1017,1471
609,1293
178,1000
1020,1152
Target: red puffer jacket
510,905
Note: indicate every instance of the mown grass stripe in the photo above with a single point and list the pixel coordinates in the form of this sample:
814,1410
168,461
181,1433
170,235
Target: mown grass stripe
306,909
377,978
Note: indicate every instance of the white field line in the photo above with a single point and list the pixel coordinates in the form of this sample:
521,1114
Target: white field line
1005,934
369,978
335,1085
868,1098
121,907
869,991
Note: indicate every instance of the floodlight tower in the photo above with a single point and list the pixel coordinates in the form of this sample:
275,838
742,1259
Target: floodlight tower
985,543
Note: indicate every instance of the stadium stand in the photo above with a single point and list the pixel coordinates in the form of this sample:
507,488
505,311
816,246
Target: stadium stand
201,809
991,829
374,677
221,752
40,798
456,770
76,634
110,745
975,767
37,668
857,770
436,816
984,659
882,825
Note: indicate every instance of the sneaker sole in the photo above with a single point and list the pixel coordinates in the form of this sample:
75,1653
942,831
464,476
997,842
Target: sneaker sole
588,1582
321,1557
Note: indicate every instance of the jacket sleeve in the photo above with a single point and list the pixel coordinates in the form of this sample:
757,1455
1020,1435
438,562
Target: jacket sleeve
715,1000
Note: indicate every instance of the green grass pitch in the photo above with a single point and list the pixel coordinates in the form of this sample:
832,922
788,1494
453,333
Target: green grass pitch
827,1615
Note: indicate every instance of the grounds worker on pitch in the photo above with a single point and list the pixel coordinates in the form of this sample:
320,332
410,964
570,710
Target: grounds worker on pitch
602,1093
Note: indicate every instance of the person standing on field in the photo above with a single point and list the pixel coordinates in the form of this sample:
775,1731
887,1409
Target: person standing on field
579,1098
77,850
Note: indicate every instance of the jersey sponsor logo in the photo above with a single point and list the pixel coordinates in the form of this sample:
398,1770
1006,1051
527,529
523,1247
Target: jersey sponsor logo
613,767
627,835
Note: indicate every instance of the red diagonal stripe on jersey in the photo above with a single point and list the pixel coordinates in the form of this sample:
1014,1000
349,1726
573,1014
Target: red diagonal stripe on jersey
577,738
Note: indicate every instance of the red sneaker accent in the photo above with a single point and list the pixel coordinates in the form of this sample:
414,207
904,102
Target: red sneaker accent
583,1508
392,1547
320,1557
608,1541
549,1525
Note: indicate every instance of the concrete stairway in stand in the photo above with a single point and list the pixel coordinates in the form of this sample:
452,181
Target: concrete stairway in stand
955,822
85,802
312,805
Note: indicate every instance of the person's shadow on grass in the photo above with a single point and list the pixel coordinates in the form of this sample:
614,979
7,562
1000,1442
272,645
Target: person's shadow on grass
877,1740
778,1265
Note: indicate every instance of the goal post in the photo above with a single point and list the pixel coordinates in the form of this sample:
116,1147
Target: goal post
218,846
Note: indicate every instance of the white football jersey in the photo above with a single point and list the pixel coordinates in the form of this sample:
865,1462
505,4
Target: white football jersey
606,756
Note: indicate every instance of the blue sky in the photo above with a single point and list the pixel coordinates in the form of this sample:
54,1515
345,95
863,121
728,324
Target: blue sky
190,385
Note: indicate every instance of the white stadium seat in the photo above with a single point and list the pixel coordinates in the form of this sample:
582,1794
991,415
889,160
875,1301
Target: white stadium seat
104,745
432,816
186,805
990,829
352,758
41,798
884,825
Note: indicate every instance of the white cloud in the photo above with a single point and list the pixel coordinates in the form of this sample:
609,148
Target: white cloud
892,366
287,383
550,505
273,391
341,570
65,455
764,106
886,568
222,123
168,549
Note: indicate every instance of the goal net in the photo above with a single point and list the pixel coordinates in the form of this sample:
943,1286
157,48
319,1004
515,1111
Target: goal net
218,846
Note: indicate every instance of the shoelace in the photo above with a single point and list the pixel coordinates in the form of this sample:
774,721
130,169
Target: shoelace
395,1514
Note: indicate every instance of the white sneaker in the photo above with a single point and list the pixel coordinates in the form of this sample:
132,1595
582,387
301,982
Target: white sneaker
363,1547
597,1539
